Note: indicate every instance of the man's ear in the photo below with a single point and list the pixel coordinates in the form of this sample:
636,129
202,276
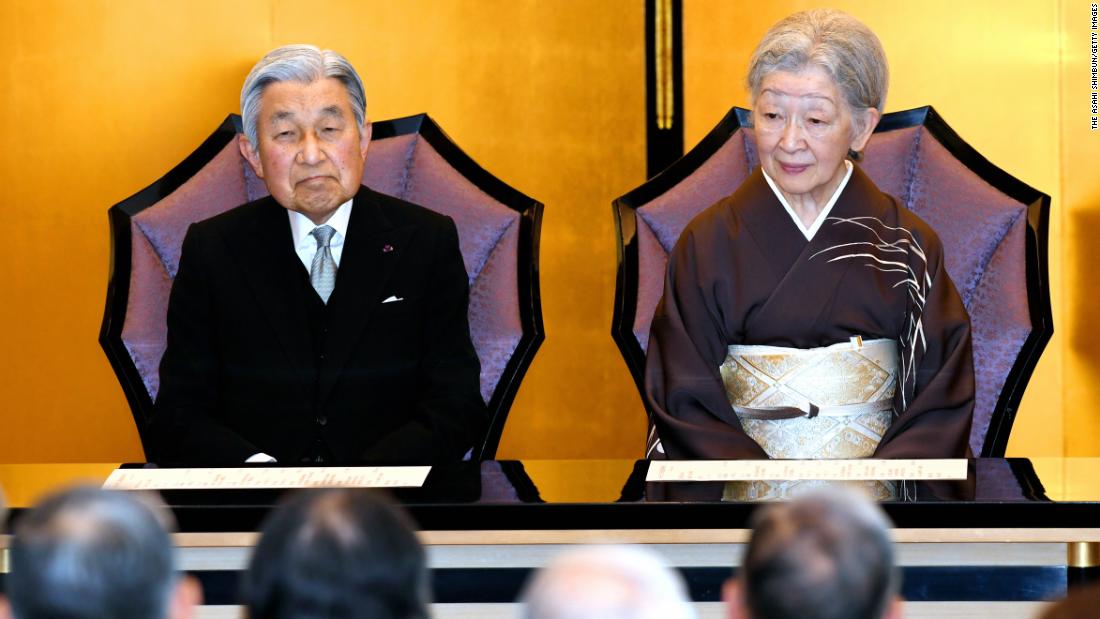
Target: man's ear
364,138
249,152
734,597
870,118
5,608
895,608
186,598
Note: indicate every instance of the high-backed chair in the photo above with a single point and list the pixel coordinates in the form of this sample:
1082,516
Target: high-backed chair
993,227
410,158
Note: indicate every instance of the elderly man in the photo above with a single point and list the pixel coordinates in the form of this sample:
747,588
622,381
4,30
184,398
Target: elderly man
826,555
337,554
88,553
613,582
325,323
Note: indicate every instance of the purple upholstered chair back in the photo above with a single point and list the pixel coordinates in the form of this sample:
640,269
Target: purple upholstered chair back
409,158
993,229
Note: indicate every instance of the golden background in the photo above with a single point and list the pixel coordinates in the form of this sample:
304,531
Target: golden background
100,98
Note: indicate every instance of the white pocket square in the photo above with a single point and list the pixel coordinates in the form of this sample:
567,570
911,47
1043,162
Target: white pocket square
393,299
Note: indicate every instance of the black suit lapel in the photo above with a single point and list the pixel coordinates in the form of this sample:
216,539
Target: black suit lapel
266,254
373,248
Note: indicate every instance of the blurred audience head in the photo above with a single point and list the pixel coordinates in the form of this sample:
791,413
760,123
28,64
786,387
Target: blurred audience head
607,582
88,553
337,554
1081,603
826,555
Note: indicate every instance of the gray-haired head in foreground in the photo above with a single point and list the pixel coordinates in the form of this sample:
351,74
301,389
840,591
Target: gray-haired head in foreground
607,582
298,63
826,554
88,553
834,41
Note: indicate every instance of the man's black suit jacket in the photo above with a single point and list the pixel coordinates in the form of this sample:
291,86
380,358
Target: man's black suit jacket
250,368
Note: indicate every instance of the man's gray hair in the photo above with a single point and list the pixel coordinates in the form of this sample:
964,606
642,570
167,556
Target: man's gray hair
88,553
298,63
607,582
826,554
834,41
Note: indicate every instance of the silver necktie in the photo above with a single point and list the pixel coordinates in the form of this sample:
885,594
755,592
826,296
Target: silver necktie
323,272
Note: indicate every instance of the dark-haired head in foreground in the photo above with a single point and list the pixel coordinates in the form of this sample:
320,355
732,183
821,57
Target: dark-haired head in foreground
88,553
825,555
337,554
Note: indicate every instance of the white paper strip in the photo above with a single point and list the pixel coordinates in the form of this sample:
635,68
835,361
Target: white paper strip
741,470
260,478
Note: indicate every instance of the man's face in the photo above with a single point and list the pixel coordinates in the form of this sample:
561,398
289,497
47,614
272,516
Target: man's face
310,151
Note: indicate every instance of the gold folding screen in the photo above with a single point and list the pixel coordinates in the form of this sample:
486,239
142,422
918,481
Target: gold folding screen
100,97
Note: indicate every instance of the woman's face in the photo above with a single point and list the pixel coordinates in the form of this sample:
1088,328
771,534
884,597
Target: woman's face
804,131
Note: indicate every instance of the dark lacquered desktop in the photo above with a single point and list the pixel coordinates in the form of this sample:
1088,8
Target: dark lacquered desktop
1015,532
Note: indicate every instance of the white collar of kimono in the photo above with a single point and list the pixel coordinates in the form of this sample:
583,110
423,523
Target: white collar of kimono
812,230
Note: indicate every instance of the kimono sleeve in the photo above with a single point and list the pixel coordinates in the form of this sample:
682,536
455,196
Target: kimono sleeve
687,343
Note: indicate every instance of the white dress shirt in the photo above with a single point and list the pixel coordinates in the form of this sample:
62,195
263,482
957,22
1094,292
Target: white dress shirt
305,245
812,230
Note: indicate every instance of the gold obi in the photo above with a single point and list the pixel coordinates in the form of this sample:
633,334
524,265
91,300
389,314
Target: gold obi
819,403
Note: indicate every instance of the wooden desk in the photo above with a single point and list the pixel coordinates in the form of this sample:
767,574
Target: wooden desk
1026,529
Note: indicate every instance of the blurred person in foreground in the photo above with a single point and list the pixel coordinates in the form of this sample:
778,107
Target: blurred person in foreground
824,555
88,553
1080,603
337,554
607,582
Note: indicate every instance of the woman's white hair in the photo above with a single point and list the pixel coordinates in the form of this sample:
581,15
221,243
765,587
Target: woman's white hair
833,41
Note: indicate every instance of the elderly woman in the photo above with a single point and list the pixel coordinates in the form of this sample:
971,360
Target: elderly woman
809,315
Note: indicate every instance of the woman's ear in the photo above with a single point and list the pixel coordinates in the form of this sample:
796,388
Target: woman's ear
865,125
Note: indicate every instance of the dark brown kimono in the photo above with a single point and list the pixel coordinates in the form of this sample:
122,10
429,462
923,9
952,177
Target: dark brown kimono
743,273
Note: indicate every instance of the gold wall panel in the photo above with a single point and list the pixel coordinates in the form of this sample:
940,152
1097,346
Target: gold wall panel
1079,158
